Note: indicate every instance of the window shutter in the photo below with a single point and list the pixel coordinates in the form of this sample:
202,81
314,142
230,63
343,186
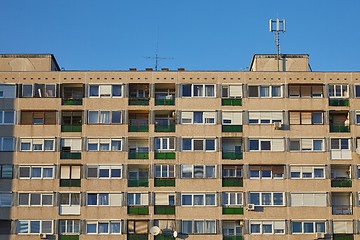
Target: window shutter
26,118
254,115
235,91
76,144
144,199
343,227
295,169
296,199
306,118
277,145
186,116
75,172
50,118
294,91
308,199
317,90
210,115
279,225
277,116
320,199
161,199
305,91
115,199
65,172
105,90
294,117
306,144
265,115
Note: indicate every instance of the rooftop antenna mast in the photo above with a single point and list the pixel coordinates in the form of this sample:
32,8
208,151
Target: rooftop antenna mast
277,26
157,58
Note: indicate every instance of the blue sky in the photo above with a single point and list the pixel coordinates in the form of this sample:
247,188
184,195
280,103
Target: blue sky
196,34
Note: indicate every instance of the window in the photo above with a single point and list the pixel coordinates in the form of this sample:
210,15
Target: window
198,171
35,199
6,171
189,144
231,91
308,199
69,227
137,227
5,226
343,227
7,91
265,91
34,226
7,117
104,171
7,144
266,144
37,144
232,118
198,199
164,171
308,172
232,198
306,118
307,227
70,172
138,199
103,227
104,117
267,198
38,117
198,90
71,144
198,226
340,148
305,91
305,144
232,228
338,91
265,117
164,199
357,116
36,172
357,91
39,90
230,171
198,117
266,172
104,144
165,144
6,199
104,199
105,90
267,227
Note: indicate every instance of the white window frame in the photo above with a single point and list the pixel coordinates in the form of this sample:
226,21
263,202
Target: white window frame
204,144
301,169
103,94
194,168
110,199
270,91
277,224
37,141
207,118
40,228
271,142
97,222
206,231
307,144
100,141
2,117
142,197
203,92
165,141
70,199
340,152
99,120
2,147
42,194
233,91
69,222
308,199
238,198
42,167
166,170
271,198
106,167
344,88
265,117
7,90
194,195
302,226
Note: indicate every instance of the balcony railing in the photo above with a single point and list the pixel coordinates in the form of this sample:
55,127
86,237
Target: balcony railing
338,102
70,155
138,155
138,210
343,237
164,182
232,182
339,128
139,101
341,182
70,182
162,237
232,128
232,155
71,128
342,210
138,182
138,128
164,101
137,237
232,210
165,128
165,155
231,102
235,237
164,209
69,237
72,101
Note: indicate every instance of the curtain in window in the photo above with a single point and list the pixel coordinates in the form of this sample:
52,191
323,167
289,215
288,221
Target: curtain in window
93,117
198,200
210,199
115,227
103,199
209,91
115,145
199,171
103,227
49,145
186,171
264,91
198,90
198,226
105,117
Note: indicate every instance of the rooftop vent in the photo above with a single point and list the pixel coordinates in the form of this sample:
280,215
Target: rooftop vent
164,69
132,69
181,69
148,69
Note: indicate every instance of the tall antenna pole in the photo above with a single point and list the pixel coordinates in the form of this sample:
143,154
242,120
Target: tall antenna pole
277,26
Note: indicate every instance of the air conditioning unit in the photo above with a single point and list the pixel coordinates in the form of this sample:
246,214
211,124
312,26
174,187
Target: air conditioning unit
277,125
43,236
320,235
250,207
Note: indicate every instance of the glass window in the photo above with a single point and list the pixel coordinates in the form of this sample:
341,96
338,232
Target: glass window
296,227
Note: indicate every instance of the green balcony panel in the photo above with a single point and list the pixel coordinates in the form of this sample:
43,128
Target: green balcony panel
137,237
165,155
139,101
70,155
233,210
162,237
339,128
163,102
164,210
341,183
138,155
138,183
138,128
138,210
233,238
69,237
231,102
232,155
164,128
232,128
338,102
72,102
343,237
70,183
71,128
159,182
232,182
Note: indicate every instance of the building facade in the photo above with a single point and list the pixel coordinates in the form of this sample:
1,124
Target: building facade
261,154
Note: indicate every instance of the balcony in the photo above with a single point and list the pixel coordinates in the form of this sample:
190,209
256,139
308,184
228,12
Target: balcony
232,182
138,155
343,237
138,128
235,237
342,210
165,128
138,182
165,155
341,182
69,237
71,128
165,102
232,155
138,210
339,102
70,182
139,101
232,128
164,210
137,237
232,210
164,182
72,101
70,155
339,128
231,102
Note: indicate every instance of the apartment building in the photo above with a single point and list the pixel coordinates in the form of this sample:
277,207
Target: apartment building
232,155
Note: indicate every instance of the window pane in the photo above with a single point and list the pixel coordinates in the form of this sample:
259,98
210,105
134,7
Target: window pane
47,200
198,117
116,117
94,90
296,227
116,90
8,117
198,144
27,90
264,91
91,228
186,200
36,172
103,227
276,91
278,199
46,227
255,198
186,227
267,228
266,199
35,199
254,144
186,90
47,172
34,226
198,90
308,227
255,228
105,117
209,91
93,117
115,173
6,171
115,227
92,199
210,144
186,144
265,145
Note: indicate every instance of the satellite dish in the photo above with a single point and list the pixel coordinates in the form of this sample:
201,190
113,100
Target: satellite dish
155,230
175,234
